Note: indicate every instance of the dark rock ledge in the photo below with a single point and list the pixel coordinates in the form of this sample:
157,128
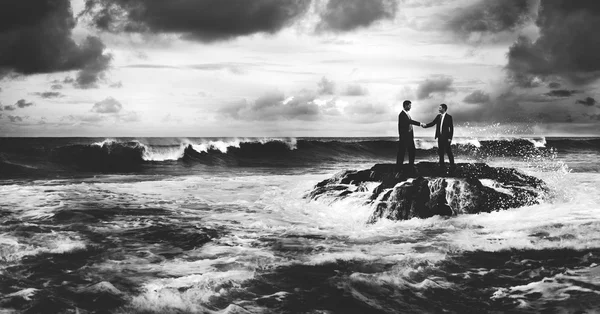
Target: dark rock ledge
427,191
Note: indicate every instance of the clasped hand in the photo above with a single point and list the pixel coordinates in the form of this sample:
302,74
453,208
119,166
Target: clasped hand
423,124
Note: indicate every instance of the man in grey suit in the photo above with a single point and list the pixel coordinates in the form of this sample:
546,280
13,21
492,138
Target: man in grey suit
444,131
406,137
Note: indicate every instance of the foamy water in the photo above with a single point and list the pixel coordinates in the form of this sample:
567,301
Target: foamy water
207,243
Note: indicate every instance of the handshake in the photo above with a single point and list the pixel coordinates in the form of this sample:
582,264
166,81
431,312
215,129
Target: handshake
422,124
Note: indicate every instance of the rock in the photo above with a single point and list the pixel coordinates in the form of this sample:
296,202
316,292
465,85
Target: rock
427,191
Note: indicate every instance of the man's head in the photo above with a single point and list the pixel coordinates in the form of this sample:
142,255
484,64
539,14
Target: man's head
443,108
406,105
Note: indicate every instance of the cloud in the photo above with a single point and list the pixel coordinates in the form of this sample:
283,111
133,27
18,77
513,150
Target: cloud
88,118
129,116
554,85
22,103
108,105
35,37
367,112
15,119
325,87
356,90
440,84
593,116
93,70
49,94
561,93
10,108
588,101
567,48
99,118
347,15
512,105
56,86
491,17
274,106
202,20
477,97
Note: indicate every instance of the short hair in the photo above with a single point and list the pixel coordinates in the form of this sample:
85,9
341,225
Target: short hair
444,106
406,103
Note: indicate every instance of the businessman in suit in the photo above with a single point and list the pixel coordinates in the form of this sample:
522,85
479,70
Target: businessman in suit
444,130
406,136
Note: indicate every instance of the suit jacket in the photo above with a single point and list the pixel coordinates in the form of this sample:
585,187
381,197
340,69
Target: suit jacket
445,131
404,123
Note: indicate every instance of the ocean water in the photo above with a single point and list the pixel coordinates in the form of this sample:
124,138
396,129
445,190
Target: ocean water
221,225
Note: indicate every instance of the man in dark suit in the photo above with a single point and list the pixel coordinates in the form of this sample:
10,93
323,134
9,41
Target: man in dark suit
444,130
406,136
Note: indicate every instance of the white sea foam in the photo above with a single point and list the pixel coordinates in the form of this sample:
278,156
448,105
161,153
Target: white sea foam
175,152
108,141
13,248
268,224
556,288
426,144
538,142
187,293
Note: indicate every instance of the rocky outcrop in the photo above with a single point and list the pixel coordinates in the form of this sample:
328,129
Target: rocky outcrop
428,191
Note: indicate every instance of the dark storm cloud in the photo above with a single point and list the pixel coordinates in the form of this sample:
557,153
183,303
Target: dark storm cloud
347,15
439,84
505,108
94,68
567,48
325,87
108,105
491,16
22,103
356,90
561,93
477,97
588,101
35,37
554,85
203,20
49,94
274,106
517,106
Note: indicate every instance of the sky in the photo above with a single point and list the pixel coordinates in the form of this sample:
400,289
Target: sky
297,68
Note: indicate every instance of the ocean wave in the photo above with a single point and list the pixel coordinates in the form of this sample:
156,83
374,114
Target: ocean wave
135,154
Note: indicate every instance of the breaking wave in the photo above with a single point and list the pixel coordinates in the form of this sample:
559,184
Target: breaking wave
135,154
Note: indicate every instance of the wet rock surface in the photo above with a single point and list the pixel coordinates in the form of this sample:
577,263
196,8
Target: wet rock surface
428,190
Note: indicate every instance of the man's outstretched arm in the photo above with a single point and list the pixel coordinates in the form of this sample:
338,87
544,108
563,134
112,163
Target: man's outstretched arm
432,123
